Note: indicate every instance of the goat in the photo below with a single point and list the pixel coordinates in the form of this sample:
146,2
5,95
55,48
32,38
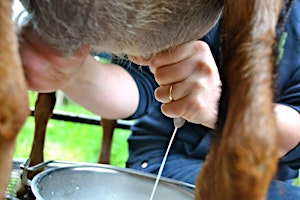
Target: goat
243,158
249,139
13,93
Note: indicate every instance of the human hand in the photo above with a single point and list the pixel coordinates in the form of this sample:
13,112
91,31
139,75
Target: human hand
46,70
193,74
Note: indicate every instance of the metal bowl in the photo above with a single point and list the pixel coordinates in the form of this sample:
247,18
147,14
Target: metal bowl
105,183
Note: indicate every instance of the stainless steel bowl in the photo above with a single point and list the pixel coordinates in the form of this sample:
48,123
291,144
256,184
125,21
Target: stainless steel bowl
105,183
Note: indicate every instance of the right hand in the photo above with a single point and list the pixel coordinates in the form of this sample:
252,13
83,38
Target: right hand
192,72
46,70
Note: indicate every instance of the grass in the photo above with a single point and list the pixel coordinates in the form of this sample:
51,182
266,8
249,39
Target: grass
72,141
297,181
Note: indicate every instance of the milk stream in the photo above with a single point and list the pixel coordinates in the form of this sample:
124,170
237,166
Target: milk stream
178,123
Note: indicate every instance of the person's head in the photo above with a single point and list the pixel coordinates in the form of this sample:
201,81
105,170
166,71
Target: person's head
136,27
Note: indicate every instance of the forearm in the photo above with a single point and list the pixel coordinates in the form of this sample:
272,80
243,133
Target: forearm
288,121
107,90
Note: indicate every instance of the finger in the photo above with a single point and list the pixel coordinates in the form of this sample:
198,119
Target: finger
173,109
163,94
199,63
170,56
174,73
177,54
138,60
187,107
179,90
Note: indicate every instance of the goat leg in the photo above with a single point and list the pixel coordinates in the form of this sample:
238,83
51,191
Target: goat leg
108,127
13,93
44,106
243,159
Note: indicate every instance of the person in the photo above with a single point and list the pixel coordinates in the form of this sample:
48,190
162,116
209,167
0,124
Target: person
196,86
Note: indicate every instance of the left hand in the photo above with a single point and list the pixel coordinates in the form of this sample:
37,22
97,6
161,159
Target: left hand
193,74
46,69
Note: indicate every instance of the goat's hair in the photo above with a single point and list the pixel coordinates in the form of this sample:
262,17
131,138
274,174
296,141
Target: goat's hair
140,28
13,92
243,158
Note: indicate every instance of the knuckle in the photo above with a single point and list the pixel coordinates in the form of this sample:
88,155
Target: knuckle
201,46
158,94
196,102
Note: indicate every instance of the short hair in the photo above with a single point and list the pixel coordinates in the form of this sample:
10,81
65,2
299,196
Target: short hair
136,27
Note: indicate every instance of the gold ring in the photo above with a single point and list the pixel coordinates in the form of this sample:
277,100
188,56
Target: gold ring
170,93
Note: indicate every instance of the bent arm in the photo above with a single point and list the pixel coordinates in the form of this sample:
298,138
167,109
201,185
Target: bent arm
105,89
288,121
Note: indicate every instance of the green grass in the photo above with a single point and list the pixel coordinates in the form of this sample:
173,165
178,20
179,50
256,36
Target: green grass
297,181
72,141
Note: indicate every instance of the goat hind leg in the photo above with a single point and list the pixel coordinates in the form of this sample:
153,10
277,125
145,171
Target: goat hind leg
13,93
108,127
242,162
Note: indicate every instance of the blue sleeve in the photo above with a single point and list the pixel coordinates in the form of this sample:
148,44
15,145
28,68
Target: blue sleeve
288,80
146,86
288,86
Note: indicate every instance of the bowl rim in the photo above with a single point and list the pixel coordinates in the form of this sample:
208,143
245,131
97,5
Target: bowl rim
184,187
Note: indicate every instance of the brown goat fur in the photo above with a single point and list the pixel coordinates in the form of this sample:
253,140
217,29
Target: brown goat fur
44,106
243,159
13,92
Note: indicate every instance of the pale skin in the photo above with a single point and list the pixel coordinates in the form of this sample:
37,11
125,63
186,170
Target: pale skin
189,68
93,85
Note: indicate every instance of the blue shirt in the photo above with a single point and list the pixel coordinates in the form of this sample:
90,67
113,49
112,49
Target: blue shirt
151,133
